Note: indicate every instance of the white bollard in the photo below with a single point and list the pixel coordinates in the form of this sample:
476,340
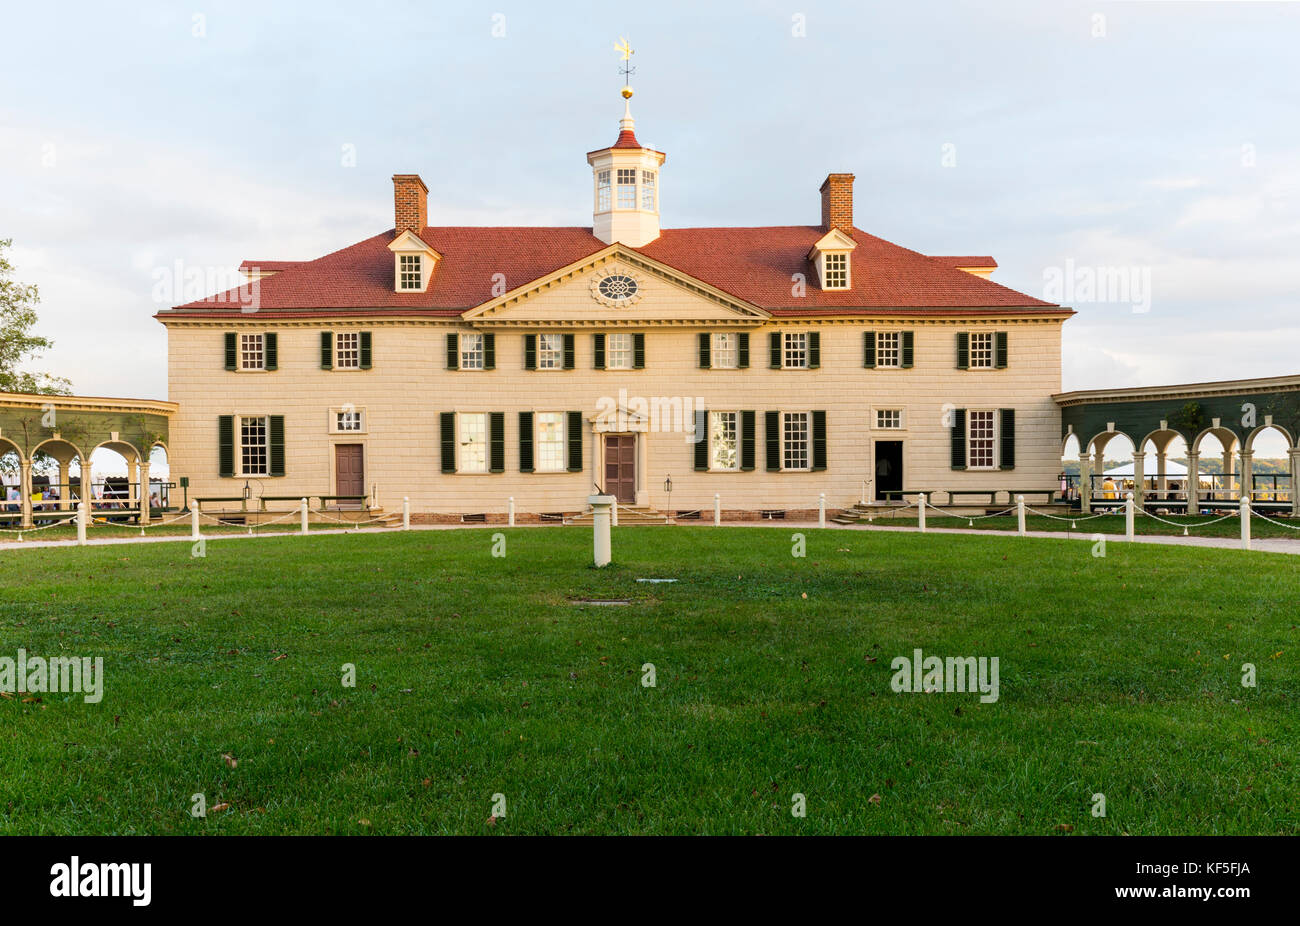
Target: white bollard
1130,509
302,513
717,509
821,510
510,512
194,522
613,513
920,512
600,518
406,513
81,524
1245,522
1020,515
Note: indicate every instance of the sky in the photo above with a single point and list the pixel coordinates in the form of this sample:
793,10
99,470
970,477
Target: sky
1150,148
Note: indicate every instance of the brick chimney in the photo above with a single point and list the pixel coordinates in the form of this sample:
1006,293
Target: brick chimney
410,203
837,202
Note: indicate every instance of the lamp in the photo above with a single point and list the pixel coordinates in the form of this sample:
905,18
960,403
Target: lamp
668,487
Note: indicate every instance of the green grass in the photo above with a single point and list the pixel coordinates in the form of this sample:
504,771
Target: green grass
479,675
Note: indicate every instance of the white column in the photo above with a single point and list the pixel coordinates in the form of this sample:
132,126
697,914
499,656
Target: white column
144,492
601,547
1193,491
717,509
1161,476
302,515
1247,472
1294,454
1085,483
821,510
65,489
25,487
1020,515
1139,476
510,512
1130,509
83,515
1245,522
920,512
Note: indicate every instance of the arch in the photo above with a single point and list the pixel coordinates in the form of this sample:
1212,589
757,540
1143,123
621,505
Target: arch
1102,439
76,451
7,445
1066,453
1226,437
1249,443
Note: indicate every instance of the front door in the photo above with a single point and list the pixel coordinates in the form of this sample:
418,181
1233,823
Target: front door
349,471
889,467
620,467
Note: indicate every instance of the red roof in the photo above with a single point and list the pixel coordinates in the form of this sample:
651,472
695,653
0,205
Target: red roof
756,265
270,266
965,261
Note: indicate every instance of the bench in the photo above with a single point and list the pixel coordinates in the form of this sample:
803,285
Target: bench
214,499
990,494
898,495
280,498
1046,494
358,500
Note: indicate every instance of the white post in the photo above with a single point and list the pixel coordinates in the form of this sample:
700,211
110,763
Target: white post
717,509
1245,522
1130,508
1020,515
821,510
406,512
600,517
81,524
613,514
302,513
920,512
510,512
194,522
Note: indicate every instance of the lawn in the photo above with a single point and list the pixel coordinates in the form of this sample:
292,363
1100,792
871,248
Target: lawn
479,675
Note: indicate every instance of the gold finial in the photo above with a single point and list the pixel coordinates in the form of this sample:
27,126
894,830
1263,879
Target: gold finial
624,49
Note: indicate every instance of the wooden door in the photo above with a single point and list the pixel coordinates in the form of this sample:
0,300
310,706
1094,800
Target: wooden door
349,470
620,467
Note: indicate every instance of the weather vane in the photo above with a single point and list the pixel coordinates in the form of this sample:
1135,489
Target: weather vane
624,49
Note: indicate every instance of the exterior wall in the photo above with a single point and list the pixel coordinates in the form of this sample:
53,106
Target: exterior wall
408,386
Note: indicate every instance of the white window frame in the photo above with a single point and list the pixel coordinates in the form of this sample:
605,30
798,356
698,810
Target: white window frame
889,357
625,193
252,352
545,355
835,270
987,435
717,449
787,419
900,415
242,430
410,273
467,448
987,354
794,345
336,423
556,447
604,191
649,191
472,349
340,351
622,357
724,345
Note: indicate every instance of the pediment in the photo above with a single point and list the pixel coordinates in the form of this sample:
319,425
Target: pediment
613,287
409,242
833,240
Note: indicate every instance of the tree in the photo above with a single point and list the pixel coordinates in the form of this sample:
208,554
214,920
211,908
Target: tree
18,303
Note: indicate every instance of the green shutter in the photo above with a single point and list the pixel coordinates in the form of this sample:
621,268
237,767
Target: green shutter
489,351
365,351
226,445
701,440
963,350
453,351
232,350
530,352
276,436
327,350
1000,340
525,442
496,442
818,441
271,344
772,434
447,434
747,441
907,350
814,350
959,438
742,353
638,351
704,339
774,349
568,352
869,349
1007,438
598,347
575,442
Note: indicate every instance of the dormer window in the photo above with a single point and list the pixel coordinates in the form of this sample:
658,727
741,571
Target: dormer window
835,271
831,255
410,276
414,263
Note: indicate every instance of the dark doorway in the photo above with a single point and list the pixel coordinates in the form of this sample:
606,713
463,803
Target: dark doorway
889,468
620,467
349,472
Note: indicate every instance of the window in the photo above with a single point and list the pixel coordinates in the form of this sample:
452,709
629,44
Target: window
602,191
981,350
252,353
471,352
979,440
550,442
550,352
253,447
648,190
795,354
836,271
794,444
723,442
473,443
347,351
725,352
348,419
618,352
889,349
890,419
410,271
627,188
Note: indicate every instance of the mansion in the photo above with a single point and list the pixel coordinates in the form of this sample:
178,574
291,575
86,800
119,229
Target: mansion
461,367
